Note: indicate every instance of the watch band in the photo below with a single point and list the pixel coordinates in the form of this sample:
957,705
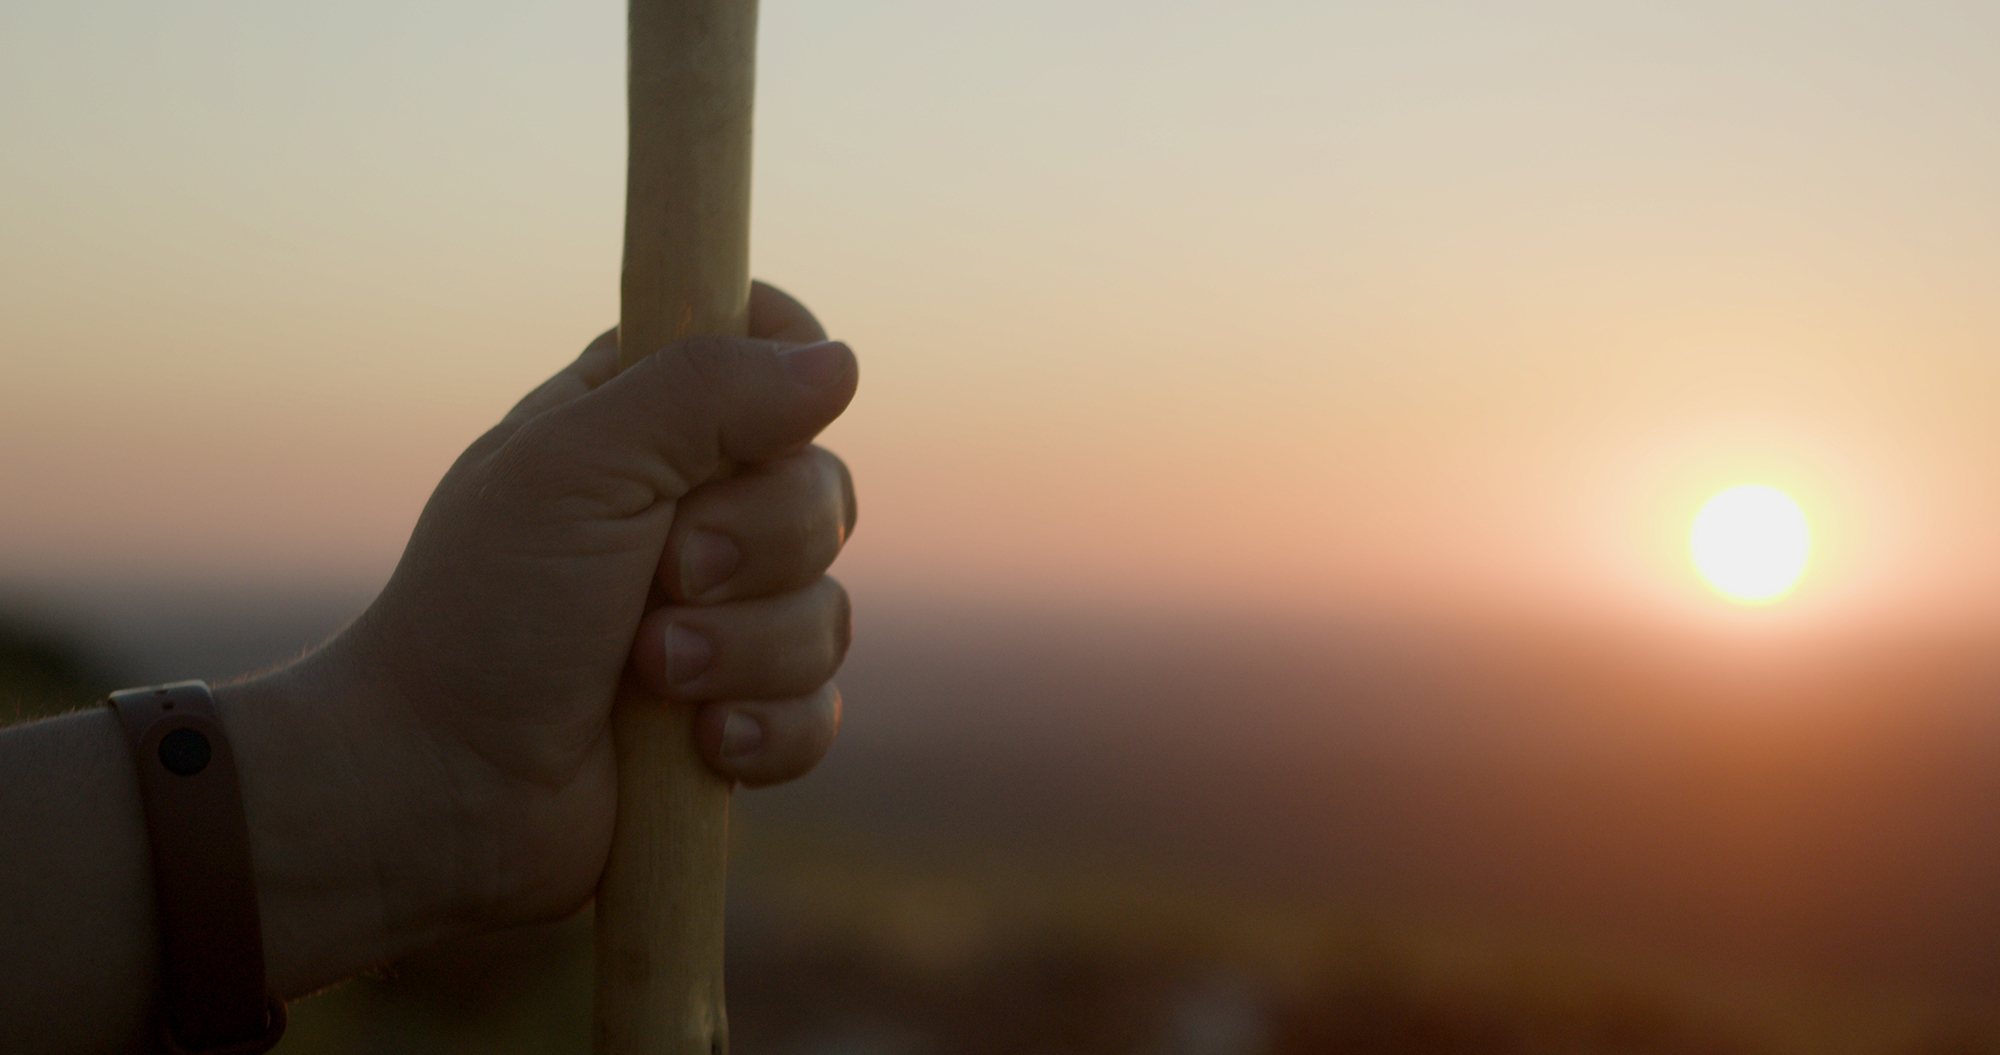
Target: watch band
215,1000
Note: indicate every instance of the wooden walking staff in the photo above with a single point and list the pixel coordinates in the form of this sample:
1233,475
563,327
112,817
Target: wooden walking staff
686,273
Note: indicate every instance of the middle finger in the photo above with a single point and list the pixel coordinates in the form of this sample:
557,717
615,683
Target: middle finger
770,528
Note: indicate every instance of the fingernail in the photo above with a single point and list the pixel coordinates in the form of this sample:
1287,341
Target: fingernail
741,734
816,365
708,559
688,654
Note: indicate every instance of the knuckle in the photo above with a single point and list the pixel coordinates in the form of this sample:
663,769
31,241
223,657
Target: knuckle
841,624
833,486
809,642
797,523
807,538
831,519
833,707
850,509
805,730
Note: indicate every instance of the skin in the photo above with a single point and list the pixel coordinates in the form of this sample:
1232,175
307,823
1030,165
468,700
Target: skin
443,766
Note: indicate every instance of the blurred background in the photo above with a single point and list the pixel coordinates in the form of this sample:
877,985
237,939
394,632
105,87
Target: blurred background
1279,430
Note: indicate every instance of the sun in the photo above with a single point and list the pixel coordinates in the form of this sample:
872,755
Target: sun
1751,543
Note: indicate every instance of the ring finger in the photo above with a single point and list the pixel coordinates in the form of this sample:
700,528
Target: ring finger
766,648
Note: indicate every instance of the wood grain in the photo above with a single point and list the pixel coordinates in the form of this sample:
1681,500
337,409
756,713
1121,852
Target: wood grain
686,273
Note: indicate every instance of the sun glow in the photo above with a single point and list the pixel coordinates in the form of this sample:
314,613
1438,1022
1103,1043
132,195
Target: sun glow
1751,543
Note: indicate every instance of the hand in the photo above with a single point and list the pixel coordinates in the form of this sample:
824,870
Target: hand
444,764
671,524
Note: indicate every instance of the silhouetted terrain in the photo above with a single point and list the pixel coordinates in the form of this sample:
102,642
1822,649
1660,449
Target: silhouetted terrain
1831,807
1057,833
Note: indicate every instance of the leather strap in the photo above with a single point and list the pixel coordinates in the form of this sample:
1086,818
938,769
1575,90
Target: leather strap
215,1002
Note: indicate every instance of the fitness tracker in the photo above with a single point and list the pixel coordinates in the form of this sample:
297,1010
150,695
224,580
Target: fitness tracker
214,999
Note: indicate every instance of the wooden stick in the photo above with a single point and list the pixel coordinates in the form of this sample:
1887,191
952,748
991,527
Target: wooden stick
686,273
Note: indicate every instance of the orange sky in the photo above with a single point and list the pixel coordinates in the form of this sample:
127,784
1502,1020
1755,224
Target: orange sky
1318,305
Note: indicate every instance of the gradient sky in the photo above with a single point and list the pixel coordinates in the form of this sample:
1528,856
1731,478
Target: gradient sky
1292,304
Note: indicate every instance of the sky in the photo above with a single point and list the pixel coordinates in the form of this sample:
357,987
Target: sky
1429,305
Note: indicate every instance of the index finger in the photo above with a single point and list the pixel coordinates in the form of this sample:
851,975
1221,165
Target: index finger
776,316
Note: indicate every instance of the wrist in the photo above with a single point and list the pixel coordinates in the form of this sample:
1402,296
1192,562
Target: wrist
352,842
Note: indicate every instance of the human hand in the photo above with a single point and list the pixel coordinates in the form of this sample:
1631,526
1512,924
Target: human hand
670,523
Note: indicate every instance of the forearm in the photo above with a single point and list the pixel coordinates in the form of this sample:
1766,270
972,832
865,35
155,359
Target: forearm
77,938
340,865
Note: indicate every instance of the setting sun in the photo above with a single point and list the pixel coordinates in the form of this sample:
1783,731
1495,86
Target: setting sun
1750,542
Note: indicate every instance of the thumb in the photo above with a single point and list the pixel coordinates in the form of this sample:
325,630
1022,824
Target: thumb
692,410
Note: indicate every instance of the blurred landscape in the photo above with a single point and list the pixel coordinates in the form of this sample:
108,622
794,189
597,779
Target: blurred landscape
1199,833
1279,433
